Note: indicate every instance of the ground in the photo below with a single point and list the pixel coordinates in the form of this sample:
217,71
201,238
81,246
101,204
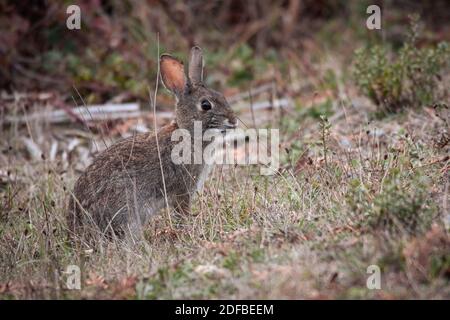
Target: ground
337,205
364,171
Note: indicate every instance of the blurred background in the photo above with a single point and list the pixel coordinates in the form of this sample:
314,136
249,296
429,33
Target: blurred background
246,42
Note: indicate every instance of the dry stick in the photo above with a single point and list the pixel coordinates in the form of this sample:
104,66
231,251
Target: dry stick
156,136
84,120
276,100
255,91
250,95
242,122
90,114
104,142
96,112
29,129
251,106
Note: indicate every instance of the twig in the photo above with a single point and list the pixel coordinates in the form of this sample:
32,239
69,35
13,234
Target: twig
88,113
156,137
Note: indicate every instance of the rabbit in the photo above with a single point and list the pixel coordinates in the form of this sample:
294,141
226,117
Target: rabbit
124,186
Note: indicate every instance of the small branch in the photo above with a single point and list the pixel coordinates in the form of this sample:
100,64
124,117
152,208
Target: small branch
89,113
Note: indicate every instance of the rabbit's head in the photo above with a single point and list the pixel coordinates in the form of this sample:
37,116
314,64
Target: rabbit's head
195,102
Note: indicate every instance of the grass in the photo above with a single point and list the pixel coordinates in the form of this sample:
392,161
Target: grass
350,193
309,232
412,79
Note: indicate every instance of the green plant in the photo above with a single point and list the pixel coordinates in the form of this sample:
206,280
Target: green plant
324,126
400,205
408,79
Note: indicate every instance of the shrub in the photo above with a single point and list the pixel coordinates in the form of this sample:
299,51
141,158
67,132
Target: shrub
400,205
409,79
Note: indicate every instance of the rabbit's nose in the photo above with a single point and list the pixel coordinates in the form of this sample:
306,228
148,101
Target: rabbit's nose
230,124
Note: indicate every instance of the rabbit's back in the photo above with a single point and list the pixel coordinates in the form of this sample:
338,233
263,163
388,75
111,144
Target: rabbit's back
123,186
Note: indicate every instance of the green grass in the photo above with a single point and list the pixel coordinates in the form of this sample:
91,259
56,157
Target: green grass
283,236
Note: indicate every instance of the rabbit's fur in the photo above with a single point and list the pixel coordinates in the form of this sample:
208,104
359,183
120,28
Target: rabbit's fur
124,186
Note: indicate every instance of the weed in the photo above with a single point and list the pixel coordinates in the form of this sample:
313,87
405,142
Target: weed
400,205
325,127
411,79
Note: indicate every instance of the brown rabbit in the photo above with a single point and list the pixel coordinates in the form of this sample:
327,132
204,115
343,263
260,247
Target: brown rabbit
124,186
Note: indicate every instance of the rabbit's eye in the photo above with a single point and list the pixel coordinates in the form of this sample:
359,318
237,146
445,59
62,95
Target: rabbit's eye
206,105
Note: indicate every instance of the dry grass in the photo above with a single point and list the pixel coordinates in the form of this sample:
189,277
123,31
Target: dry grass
345,198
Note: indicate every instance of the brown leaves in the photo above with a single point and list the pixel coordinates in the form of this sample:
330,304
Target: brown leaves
122,288
96,281
125,288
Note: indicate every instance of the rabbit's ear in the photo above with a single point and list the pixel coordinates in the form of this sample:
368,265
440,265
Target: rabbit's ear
196,66
172,74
